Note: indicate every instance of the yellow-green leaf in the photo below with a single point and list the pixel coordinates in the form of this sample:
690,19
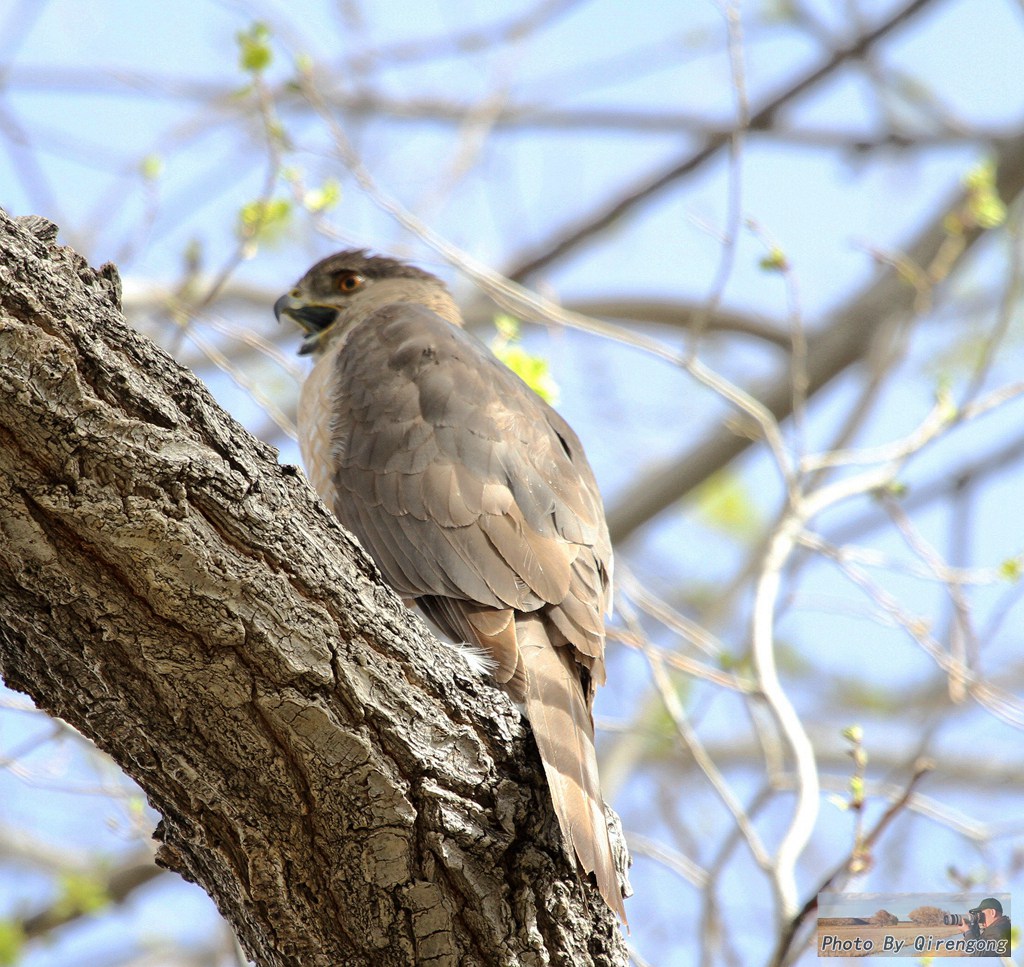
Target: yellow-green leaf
151,167
264,220
724,503
254,53
775,260
1011,568
81,893
532,370
507,326
983,201
326,196
946,404
12,940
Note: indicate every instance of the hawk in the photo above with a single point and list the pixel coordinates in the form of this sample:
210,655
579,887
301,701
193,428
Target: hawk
473,497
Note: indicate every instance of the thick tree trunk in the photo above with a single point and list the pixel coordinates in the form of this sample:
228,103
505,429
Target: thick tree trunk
342,786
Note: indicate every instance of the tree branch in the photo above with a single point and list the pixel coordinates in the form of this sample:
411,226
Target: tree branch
113,887
831,351
565,240
344,788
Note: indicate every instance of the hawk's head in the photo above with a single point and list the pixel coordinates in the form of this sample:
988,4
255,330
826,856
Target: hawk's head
343,289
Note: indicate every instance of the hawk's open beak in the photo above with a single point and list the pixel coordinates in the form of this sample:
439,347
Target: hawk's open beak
313,318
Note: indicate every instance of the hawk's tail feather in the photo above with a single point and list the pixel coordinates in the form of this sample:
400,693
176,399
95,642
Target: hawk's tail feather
564,729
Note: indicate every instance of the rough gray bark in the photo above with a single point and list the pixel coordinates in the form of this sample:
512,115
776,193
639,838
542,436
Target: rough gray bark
342,786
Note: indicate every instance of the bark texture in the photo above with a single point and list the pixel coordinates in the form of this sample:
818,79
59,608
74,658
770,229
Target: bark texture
342,786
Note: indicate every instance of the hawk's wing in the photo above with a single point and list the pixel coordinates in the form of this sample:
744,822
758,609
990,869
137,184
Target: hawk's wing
461,481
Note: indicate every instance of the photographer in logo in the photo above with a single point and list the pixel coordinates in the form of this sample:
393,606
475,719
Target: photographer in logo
985,923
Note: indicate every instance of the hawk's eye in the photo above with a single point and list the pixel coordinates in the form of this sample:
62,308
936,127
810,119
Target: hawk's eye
346,282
